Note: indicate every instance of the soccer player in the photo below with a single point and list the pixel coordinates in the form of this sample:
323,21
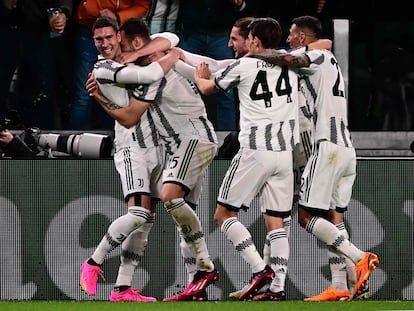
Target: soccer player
238,36
139,162
330,172
188,137
268,132
303,31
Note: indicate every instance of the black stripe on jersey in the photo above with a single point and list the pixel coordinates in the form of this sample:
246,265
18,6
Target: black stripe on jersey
280,137
252,138
334,133
305,140
309,86
208,131
292,124
164,122
140,135
306,112
268,136
128,168
189,152
308,182
230,176
224,73
343,133
154,133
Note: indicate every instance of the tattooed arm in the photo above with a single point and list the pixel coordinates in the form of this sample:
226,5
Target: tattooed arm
283,58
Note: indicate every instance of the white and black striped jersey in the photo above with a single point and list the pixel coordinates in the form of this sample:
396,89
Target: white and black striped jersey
325,92
268,96
178,110
144,132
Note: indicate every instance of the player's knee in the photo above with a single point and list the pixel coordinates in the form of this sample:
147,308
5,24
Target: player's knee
169,194
222,214
303,216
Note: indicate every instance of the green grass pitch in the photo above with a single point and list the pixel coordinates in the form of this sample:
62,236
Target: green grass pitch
66,305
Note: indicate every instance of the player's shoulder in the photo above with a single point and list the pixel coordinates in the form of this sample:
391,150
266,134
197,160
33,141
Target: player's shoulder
107,63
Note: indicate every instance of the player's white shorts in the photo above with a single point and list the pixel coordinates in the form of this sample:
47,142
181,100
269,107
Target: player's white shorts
328,177
140,170
301,154
266,172
187,165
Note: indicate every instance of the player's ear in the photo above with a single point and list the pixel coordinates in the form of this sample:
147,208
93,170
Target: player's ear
137,43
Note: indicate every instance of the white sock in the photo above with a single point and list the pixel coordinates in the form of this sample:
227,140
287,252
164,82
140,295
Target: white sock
190,229
132,251
337,264
240,237
329,233
286,224
350,266
266,251
190,261
279,248
119,230
266,247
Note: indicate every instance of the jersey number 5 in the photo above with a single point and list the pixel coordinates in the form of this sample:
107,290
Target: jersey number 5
283,87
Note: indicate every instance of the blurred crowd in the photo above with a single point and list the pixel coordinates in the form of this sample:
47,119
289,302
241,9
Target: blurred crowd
47,54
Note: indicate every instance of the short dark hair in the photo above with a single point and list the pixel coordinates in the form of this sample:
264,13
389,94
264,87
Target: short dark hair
268,30
135,27
243,25
105,21
311,24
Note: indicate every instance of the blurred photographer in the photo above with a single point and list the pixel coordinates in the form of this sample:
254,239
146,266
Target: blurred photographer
11,144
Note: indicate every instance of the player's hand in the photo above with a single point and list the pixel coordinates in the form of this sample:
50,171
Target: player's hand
175,54
202,71
91,85
6,136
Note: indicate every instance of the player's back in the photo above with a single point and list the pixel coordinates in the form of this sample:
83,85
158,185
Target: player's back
268,96
179,110
326,89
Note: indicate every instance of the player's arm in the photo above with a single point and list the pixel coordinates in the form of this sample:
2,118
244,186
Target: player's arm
206,85
160,42
187,65
320,44
283,58
127,116
134,74
214,65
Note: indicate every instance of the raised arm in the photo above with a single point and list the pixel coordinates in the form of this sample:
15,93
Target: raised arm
283,58
161,42
134,74
214,65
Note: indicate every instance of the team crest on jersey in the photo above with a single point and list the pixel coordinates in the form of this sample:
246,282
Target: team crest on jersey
140,182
